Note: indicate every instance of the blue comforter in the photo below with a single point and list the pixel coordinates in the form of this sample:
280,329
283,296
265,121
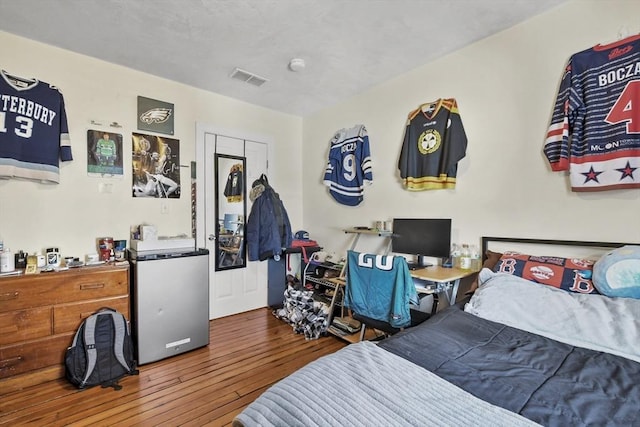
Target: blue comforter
549,382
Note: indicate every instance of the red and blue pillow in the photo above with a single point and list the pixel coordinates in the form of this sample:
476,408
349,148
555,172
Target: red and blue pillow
569,274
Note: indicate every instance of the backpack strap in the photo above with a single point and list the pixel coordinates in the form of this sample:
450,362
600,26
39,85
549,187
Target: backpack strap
90,346
120,328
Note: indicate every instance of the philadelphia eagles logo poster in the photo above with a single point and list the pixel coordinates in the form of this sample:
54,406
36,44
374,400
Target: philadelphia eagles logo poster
155,116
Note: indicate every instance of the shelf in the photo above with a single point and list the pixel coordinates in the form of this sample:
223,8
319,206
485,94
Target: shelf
381,233
369,334
329,282
331,266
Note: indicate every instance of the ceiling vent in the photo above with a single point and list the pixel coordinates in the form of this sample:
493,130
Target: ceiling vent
248,77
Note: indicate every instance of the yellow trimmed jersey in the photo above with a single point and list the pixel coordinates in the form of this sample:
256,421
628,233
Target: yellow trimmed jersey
434,142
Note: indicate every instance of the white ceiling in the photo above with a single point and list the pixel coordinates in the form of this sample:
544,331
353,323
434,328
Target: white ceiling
348,45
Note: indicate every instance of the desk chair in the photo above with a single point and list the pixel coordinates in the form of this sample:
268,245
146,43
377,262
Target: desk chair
232,247
379,293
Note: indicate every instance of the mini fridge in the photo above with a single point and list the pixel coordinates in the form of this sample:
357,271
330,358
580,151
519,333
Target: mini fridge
169,302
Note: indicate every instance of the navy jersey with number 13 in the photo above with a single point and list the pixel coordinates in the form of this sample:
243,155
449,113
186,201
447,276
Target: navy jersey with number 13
33,130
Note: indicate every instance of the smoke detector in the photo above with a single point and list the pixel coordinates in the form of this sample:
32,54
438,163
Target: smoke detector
296,64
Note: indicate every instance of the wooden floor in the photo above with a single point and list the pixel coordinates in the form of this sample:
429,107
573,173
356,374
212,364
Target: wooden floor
247,353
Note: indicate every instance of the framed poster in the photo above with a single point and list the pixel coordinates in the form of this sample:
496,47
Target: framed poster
104,154
155,116
155,161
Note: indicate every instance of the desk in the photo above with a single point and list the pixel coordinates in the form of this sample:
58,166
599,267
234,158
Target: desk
437,279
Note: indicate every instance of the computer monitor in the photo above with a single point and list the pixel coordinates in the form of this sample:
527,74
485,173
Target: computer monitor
422,237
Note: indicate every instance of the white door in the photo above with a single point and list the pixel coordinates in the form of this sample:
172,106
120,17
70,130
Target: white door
240,289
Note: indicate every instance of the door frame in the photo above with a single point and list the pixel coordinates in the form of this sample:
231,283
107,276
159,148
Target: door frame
201,130
252,275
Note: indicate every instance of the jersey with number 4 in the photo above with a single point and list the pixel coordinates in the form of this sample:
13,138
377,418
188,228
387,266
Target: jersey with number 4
34,136
595,127
348,169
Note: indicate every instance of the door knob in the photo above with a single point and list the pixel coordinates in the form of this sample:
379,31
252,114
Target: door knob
212,237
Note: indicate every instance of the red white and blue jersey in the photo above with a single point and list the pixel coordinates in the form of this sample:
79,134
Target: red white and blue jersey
434,142
595,127
348,169
34,135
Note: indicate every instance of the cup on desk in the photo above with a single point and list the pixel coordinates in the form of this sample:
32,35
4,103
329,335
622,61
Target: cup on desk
379,225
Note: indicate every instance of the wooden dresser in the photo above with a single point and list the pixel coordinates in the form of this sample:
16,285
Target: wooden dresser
40,313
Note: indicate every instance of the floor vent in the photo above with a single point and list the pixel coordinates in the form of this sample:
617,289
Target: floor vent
248,77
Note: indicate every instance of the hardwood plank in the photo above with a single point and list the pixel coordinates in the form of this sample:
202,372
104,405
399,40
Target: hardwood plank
247,353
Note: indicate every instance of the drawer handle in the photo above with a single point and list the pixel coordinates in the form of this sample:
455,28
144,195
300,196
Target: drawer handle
7,363
9,295
91,286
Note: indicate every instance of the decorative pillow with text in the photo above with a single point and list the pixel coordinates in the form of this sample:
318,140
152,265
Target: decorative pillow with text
569,274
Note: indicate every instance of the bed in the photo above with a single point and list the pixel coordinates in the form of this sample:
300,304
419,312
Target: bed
536,344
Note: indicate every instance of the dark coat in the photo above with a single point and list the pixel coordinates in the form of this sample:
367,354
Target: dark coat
268,226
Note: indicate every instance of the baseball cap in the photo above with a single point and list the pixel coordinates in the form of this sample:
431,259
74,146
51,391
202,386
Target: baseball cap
302,235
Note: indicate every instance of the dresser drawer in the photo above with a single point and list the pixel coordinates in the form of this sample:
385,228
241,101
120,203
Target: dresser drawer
31,355
60,287
24,325
67,317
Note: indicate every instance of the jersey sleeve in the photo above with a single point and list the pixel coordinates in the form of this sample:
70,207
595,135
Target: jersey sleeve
65,141
403,160
455,144
556,147
365,164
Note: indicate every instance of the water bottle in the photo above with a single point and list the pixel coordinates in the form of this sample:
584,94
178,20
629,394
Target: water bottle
455,255
7,261
475,258
465,257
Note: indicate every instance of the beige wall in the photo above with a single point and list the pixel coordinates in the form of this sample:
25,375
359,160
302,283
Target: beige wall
72,214
506,87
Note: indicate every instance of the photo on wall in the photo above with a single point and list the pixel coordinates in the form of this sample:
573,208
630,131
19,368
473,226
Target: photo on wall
104,154
156,166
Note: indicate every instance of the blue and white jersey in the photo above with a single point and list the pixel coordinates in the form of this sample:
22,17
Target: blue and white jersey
595,127
34,135
348,169
380,287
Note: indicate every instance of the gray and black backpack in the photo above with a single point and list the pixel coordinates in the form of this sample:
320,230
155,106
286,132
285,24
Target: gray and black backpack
101,352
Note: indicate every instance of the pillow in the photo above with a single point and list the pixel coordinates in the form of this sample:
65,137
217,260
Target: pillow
617,273
569,274
596,322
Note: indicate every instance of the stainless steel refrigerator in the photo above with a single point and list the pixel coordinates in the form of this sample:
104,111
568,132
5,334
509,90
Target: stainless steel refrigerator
170,302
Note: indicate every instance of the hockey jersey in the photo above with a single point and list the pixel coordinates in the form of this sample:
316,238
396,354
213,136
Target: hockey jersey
348,169
595,127
434,142
380,287
234,189
34,135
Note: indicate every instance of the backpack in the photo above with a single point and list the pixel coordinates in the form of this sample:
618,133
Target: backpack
101,352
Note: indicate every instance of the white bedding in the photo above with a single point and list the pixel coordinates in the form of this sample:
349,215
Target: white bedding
596,322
